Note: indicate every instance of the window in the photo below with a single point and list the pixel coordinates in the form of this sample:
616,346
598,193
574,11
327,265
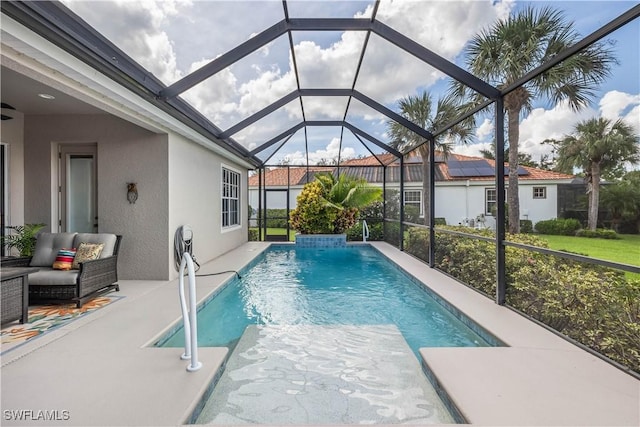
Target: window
230,198
539,192
490,200
414,198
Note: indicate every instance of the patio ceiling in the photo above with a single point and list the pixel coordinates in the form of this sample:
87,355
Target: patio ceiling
314,103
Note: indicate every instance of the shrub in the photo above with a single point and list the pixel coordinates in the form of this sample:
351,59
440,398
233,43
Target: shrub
375,231
254,235
559,226
526,226
592,304
276,218
391,232
330,205
417,242
412,214
600,233
439,221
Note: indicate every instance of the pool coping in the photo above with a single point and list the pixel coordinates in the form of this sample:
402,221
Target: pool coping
102,371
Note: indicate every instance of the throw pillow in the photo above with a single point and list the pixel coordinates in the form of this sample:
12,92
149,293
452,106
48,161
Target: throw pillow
64,259
87,252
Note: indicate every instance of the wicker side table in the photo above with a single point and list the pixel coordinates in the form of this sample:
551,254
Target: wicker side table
15,293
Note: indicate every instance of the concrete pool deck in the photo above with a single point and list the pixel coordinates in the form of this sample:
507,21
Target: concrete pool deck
101,369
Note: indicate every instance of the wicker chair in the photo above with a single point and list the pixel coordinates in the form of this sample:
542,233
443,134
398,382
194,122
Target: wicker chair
94,277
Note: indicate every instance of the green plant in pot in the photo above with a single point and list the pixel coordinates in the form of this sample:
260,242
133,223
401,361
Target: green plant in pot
23,238
330,205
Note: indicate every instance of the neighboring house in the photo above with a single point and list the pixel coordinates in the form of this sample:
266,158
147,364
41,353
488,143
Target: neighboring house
66,162
465,186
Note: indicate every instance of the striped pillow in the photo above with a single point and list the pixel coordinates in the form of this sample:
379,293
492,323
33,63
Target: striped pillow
64,259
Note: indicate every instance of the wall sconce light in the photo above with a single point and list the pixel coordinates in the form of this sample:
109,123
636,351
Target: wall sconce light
132,192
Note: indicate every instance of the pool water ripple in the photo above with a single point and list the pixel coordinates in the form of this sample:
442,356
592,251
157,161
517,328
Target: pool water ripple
345,286
306,374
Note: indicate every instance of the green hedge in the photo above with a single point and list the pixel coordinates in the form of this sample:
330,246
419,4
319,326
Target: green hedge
594,305
375,231
600,233
526,226
560,226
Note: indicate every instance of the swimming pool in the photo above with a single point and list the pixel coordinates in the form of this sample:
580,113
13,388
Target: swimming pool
355,285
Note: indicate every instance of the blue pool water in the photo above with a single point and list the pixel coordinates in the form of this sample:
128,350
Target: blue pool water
355,285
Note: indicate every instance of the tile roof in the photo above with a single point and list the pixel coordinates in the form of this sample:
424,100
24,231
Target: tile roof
369,168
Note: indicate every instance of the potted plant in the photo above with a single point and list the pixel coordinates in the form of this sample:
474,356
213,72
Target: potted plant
23,238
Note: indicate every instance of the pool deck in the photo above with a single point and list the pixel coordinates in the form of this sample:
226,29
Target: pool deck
100,369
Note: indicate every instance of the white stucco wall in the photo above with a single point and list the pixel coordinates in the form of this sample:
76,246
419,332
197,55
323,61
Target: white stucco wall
456,201
126,153
195,176
12,134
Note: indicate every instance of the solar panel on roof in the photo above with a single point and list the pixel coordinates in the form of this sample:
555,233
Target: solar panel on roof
521,171
486,171
456,172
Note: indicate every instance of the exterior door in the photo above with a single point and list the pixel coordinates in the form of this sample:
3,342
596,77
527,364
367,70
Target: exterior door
78,188
276,215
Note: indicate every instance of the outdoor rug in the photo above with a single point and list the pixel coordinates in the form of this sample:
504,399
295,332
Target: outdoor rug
46,318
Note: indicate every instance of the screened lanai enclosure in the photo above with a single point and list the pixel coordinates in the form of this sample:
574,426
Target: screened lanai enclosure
398,93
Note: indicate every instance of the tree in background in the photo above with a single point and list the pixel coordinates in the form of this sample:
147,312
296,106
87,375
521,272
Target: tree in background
596,146
419,110
622,200
511,48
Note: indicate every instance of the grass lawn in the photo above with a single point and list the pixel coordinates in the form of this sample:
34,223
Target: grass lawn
282,232
625,250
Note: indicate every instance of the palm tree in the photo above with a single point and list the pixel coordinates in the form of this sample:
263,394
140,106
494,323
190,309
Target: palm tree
598,145
419,110
331,205
347,192
513,47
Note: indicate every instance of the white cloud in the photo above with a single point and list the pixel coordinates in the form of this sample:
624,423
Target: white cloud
484,130
543,124
147,31
328,153
558,122
473,150
616,105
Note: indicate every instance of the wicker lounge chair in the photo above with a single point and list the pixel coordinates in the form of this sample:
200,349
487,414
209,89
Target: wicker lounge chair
93,277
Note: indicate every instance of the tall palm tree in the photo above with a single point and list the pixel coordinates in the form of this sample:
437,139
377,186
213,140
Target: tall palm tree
419,110
596,146
509,49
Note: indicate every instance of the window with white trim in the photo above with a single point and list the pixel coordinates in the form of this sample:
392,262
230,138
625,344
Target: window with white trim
539,192
490,200
230,198
413,198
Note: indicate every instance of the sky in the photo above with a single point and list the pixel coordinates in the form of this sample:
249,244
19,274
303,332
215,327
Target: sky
172,38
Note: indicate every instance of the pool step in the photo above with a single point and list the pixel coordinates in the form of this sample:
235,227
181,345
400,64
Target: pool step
308,374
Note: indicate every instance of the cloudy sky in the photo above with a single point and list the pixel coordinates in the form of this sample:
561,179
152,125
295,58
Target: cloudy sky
172,38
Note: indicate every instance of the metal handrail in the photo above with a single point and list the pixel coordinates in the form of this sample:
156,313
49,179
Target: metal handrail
189,319
365,230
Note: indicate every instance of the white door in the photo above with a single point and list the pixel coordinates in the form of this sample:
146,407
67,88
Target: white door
78,188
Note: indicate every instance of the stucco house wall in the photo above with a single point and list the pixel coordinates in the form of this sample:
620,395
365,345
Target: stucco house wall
459,200
125,153
12,135
195,182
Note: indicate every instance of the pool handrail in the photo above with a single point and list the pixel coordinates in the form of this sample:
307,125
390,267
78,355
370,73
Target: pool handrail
365,230
189,317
